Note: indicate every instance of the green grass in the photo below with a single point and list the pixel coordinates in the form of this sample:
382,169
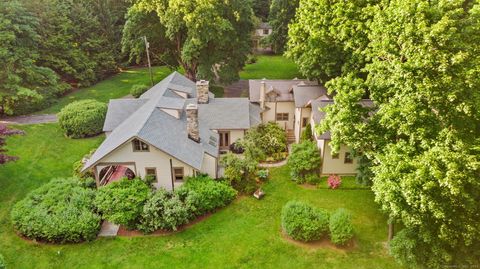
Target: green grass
245,234
348,183
116,86
271,67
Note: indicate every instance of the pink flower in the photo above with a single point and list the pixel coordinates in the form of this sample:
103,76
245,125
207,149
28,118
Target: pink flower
334,181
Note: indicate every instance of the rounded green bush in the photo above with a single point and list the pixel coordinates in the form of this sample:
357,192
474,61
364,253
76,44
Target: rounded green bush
121,202
304,222
3,264
138,89
341,228
82,118
60,211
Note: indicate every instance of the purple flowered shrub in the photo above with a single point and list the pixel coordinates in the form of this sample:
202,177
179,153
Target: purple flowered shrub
334,181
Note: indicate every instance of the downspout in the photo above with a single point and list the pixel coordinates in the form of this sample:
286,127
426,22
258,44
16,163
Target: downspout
171,175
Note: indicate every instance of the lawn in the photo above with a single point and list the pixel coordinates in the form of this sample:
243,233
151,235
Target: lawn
271,67
116,86
245,234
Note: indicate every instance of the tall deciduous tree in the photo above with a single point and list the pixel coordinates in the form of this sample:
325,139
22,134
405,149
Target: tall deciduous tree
209,38
261,8
419,63
281,15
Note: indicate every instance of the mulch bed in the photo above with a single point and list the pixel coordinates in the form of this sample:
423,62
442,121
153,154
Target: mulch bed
122,231
323,243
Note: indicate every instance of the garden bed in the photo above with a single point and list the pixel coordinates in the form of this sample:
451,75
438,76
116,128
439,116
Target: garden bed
323,243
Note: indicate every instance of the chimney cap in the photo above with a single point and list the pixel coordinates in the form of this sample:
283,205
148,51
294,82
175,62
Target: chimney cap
202,82
192,107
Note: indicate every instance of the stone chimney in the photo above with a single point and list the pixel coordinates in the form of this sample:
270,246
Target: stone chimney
202,91
263,89
192,122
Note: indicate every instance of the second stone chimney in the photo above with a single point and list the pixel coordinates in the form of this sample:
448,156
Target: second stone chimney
192,122
263,89
202,91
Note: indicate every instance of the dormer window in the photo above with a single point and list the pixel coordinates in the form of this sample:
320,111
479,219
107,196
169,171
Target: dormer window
140,146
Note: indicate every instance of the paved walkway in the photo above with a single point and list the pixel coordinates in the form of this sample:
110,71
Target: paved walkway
30,119
108,229
237,89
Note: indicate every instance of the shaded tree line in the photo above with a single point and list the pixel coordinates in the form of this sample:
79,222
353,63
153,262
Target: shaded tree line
49,46
418,61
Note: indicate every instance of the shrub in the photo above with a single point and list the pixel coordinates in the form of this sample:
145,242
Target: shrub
365,174
82,118
3,264
78,166
304,160
236,148
307,133
240,172
262,174
163,210
60,211
341,229
138,89
334,181
121,202
251,59
304,222
264,140
204,195
403,247
312,179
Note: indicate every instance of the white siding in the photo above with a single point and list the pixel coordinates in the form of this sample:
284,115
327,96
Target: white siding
337,166
280,107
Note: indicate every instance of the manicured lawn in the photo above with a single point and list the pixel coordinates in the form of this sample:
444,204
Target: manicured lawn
116,86
246,234
271,67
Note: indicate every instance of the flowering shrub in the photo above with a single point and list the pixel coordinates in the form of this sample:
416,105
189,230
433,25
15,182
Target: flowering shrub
334,181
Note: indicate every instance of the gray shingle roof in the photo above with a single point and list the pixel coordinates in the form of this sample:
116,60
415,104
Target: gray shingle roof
281,87
119,110
149,123
304,94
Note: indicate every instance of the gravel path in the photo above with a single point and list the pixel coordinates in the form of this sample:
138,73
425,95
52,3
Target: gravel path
30,119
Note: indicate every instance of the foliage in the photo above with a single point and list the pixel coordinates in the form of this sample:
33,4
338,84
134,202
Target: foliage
4,133
364,171
251,59
82,118
334,181
341,228
122,202
304,160
240,172
163,210
307,134
282,13
303,222
207,39
60,211
204,194
262,174
138,89
403,247
419,134
312,179
3,264
263,141
261,8
78,166
236,148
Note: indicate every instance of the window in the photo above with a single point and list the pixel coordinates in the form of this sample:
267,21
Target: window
178,173
304,122
335,156
140,146
282,116
348,158
151,172
265,31
224,139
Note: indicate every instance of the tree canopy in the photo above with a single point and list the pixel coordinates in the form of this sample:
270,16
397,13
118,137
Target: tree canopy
198,35
418,63
281,14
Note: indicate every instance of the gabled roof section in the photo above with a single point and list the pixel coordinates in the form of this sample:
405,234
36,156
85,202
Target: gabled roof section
171,103
119,110
174,81
281,87
304,94
225,113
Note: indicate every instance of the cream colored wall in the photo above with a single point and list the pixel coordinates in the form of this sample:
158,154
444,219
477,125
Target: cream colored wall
182,94
236,134
259,32
154,158
172,112
281,107
209,165
337,166
301,113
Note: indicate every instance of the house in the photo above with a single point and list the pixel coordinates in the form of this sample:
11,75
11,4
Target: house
293,104
262,31
175,129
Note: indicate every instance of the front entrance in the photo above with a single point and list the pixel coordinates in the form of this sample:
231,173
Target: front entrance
224,139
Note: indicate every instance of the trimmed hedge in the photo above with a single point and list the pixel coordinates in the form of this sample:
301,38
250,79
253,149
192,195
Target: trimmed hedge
60,211
121,202
304,160
82,118
341,229
138,89
203,194
304,222
163,210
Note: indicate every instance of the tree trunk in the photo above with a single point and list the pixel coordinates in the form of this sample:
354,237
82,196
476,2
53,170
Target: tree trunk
390,230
